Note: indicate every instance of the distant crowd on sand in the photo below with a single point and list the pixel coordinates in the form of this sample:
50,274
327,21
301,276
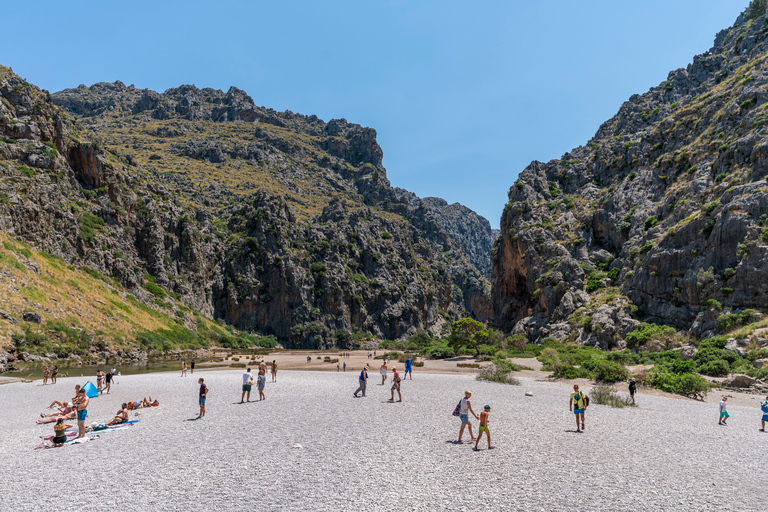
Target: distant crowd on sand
76,407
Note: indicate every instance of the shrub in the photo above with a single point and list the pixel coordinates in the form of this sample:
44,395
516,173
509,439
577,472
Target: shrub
440,352
606,395
714,304
645,332
716,368
686,384
650,222
606,371
499,372
89,223
26,171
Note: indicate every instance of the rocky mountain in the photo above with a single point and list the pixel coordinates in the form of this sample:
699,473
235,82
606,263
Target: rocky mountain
661,217
273,222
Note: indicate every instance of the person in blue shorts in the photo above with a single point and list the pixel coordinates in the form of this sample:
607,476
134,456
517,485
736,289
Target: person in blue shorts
203,394
82,402
577,406
408,364
764,407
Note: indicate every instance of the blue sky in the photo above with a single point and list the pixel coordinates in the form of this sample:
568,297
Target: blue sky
463,95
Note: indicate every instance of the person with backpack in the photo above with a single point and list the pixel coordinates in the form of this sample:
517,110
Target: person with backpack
578,405
462,410
764,408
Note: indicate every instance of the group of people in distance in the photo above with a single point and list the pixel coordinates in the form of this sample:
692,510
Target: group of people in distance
54,374
261,381
463,410
184,367
363,379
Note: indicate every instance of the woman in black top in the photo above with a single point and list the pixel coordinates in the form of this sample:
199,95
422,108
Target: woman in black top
632,389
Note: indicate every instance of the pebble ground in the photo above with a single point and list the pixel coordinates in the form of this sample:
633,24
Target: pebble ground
369,454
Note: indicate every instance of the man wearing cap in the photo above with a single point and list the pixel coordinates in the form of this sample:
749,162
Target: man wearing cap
723,413
395,386
408,367
121,417
632,389
363,381
764,407
484,427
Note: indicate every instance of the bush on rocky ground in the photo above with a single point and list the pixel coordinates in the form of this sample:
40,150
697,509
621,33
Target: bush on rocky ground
606,395
499,372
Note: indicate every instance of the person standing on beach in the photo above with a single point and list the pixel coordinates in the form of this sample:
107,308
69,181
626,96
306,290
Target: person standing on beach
764,408
363,381
193,366
45,376
338,367
577,405
408,367
383,371
108,381
183,368
54,374
114,375
274,371
262,380
82,411
203,395
99,381
723,413
484,427
395,386
247,383
632,389
345,366
465,407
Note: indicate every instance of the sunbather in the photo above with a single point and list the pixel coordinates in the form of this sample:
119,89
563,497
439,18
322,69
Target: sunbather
63,411
69,416
121,417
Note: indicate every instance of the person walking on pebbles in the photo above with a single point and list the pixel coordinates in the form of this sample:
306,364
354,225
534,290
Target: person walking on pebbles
764,408
203,395
484,427
395,386
465,407
383,371
723,413
363,381
262,380
247,384
632,389
577,405
183,368
408,368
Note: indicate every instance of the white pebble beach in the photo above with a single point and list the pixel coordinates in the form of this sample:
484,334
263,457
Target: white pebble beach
367,454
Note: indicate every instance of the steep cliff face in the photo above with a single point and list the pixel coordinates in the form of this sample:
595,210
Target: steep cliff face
659,217
275,222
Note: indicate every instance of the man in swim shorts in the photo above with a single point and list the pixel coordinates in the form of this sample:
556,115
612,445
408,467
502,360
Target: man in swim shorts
484,428
192,366
203,394
723,413
120,417
82,411
247,383
764,408
408,364
274,371
577,405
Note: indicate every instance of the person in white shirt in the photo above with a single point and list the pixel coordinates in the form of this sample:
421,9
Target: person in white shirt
247,383
723,413
465,407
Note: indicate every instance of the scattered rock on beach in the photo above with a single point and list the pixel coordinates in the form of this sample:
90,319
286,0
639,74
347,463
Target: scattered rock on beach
297,445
